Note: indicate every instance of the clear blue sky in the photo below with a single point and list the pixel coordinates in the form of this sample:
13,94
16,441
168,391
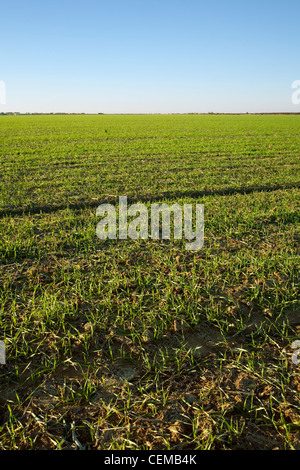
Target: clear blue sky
142,56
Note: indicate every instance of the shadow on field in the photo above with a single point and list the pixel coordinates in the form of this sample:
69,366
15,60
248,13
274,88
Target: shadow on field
26,210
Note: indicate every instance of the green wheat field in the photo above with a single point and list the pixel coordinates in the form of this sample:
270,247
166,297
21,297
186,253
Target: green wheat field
142,344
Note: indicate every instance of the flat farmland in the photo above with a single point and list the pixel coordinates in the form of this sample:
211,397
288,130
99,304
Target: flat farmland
142,344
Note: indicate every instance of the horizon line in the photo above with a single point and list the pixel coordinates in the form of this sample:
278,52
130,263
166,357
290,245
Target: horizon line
19,113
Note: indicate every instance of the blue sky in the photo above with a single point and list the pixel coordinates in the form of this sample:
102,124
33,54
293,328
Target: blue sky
145,57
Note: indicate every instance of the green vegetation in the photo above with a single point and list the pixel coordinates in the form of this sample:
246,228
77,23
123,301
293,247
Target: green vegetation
142,344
